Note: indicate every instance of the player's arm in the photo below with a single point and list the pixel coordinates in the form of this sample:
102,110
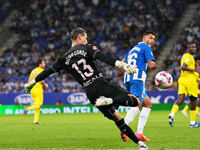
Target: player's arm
124,60
29,79
44,74
57,66
44,84
185,68
149,58
151,64
110,60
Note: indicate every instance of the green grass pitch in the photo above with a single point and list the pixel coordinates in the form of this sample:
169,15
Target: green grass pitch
93,131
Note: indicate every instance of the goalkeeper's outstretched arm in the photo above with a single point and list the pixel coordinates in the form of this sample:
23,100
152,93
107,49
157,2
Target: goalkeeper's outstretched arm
97,54
44,74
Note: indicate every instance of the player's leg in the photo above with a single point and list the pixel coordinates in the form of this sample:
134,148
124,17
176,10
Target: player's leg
110,90
111,113
175,108
131,114
198,105
108,93
193,113
193,94
144,114
128,131
184,111
32,107
136,88
35,100
116,95
123,100
182,92
37,110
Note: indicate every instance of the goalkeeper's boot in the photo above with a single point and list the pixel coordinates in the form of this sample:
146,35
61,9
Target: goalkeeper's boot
123,137
25,110
102,101
142,137
36,122
184,113
142,146
195,125
171,120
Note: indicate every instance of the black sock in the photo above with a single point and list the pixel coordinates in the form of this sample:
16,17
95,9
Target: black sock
127,130
125,100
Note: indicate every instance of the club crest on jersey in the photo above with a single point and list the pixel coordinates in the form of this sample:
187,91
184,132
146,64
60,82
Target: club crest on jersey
94,48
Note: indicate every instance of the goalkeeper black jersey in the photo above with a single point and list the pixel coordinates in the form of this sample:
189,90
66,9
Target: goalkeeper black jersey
80,62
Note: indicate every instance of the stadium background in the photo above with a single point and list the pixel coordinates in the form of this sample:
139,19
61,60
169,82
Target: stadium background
33,29
40,29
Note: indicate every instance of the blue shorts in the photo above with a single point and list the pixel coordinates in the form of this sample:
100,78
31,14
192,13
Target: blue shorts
137,88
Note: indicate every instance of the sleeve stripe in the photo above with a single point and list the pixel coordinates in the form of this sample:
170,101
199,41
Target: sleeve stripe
94,55
54,70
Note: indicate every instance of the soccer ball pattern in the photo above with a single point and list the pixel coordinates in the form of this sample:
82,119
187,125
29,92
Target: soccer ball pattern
163,80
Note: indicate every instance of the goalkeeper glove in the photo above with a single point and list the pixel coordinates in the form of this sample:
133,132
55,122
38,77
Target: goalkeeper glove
130,69
29,86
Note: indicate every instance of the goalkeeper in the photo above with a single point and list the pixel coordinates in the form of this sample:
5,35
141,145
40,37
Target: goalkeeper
80,62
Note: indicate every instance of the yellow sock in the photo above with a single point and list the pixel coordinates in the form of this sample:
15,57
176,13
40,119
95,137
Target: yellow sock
197,109
174,108
186,108
193,115
36,115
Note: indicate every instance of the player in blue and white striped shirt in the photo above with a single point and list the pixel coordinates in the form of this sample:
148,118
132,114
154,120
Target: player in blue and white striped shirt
141,57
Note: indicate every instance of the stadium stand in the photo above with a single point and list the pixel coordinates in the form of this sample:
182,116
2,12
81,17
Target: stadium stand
5,9
43,29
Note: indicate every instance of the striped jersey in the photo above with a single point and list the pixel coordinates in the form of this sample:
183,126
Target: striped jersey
138,56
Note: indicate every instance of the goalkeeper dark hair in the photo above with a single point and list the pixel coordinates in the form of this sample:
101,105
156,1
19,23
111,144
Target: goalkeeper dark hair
39,61
76,31
149,32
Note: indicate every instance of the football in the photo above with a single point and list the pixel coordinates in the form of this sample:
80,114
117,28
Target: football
163,80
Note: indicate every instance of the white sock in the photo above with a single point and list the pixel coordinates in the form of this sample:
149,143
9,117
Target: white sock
131,114
144,114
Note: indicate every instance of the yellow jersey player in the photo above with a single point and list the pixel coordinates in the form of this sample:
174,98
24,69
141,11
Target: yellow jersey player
188,85
184,111
37,91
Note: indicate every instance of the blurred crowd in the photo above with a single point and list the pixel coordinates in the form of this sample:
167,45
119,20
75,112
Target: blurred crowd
190,34
115,26
5,9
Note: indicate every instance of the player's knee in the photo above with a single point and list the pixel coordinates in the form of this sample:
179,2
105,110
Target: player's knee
148,105
139,104
192,98
37,106
134,101
110,115
179,102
